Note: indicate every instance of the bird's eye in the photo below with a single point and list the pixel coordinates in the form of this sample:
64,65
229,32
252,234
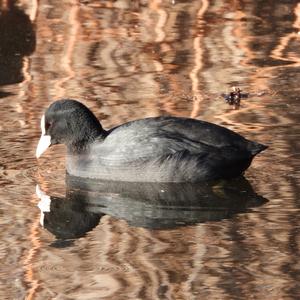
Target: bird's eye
47,125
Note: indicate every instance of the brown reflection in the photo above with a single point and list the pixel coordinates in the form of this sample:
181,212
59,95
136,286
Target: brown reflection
194,75
30,276
132,59
279,51
66,59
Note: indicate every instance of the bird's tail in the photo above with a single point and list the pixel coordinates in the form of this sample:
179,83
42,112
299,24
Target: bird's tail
256,148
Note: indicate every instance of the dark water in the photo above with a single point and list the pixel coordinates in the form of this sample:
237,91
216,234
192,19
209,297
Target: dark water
133,59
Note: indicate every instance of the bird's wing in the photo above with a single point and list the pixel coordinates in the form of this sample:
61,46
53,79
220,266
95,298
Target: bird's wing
155,137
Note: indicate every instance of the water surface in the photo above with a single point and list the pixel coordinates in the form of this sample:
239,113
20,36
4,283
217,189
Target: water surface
135,59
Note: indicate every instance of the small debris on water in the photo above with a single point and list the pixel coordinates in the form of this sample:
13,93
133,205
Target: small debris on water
235,96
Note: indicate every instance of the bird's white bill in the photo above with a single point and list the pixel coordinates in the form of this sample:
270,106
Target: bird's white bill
45,140
44,143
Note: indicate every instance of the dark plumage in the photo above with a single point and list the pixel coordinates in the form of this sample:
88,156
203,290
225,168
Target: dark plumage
160,149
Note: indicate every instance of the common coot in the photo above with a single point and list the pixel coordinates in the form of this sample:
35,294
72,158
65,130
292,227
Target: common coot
158,149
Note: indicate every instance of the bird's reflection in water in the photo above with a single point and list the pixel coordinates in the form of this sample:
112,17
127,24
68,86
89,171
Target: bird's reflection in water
148,205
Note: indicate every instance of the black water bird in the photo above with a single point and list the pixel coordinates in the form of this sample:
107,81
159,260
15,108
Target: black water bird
158,149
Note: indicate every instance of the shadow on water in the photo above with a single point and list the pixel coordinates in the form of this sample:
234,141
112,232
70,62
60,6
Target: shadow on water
147,205
18,39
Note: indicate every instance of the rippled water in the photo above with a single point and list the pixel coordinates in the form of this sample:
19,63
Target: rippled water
133,59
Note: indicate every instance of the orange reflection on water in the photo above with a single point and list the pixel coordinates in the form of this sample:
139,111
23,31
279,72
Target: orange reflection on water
129,60
194,75
30,275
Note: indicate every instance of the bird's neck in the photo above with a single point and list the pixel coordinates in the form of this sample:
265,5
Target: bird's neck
82,145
